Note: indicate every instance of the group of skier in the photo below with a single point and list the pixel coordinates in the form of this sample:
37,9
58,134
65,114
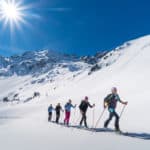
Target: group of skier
110,102
58,110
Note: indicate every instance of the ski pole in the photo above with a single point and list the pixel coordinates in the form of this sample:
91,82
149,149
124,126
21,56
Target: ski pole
100,118
93,117
75,123
62,117
122,111
74,115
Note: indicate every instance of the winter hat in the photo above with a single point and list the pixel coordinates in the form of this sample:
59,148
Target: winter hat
113,89
86,98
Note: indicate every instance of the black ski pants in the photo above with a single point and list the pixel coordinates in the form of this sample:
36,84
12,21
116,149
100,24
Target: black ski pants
83,119
111,115
57,117
49,116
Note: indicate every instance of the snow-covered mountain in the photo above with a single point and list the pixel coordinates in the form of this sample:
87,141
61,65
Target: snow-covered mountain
36,63
33,62
25,115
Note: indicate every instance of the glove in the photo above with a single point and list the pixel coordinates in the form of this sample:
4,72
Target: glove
126,103
105,105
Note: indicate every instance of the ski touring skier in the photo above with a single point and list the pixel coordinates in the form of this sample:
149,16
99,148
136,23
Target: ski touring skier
83,109
111,102
68,107
58,110
50,112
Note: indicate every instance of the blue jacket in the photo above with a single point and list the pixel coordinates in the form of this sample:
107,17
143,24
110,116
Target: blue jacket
68,107
50,109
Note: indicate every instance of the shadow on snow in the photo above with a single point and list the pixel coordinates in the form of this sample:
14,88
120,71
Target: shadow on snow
144,136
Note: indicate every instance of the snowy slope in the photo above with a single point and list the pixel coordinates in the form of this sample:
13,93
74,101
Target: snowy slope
24,125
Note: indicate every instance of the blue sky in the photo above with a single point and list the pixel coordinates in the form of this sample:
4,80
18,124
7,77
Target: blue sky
81,27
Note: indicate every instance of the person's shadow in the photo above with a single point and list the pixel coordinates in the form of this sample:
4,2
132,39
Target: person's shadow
144,136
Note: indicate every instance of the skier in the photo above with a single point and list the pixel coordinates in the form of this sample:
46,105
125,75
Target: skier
68,107
58,109
50,111
83,109
111,102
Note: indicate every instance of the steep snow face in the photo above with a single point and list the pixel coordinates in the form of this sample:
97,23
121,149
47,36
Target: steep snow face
129,49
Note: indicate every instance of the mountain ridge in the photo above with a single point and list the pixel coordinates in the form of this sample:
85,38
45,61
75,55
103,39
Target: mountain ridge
42,61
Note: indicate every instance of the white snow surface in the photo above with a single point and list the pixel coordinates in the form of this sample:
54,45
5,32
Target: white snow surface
24,126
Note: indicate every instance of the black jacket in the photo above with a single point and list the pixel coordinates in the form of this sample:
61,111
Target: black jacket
84,106
58,109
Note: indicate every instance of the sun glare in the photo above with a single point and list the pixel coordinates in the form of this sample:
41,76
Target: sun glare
10,11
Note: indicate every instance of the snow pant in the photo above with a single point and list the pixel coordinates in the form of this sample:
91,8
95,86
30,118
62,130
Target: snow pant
111,115
57,117
49,116
83,119
67,117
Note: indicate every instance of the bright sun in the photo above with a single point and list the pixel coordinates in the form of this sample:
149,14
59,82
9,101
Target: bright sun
10,11
16,14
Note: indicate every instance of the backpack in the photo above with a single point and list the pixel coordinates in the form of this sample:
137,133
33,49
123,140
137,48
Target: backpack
110,101
82,105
